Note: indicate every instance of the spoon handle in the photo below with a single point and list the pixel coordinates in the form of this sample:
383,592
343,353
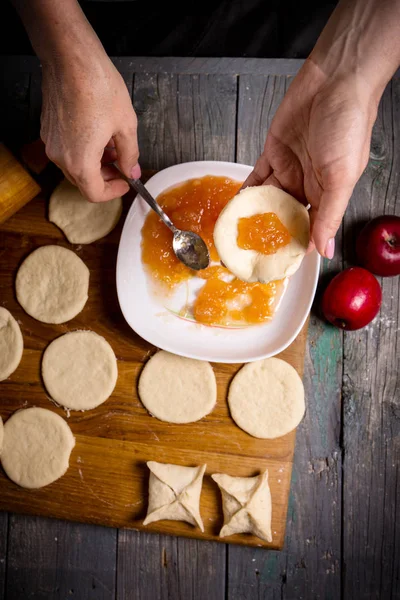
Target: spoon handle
138,186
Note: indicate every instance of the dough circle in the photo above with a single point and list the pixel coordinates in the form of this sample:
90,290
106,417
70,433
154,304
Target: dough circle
250,265
37,447
11,344
177,389
266,398
52,284
82,221
79,370
1,435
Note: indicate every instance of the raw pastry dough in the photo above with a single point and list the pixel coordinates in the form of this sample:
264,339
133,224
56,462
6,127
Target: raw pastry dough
246,505
1,435
82,221
250,265
79,370
37,446
266,398
174,493
177,389
52,284
11,344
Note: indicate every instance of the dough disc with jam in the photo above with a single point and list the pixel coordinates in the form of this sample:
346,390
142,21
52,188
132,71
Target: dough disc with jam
250,265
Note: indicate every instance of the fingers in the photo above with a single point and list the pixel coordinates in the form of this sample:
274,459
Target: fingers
262,170
127,152
326,220
97,189
96,182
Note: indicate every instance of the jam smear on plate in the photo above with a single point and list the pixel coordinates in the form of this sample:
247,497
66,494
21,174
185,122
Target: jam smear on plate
235,301
223,300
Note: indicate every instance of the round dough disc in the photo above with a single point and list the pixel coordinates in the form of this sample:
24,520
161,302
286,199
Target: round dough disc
1,434
266,398
52,284
177,389
250,265
79,370
82,221
11,344
37,446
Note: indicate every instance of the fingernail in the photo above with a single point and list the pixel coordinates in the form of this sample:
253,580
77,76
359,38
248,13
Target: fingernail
330,248
136,172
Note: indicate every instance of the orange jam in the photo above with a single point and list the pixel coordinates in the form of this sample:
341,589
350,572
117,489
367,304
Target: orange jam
223,300
264,233
195,206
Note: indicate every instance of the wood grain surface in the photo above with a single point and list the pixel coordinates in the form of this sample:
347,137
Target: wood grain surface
107,479
342,531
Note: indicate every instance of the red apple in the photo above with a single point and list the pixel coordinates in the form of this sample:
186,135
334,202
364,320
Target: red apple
378,246
352,299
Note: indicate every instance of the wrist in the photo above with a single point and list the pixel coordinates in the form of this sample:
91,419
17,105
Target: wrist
361,40
59,31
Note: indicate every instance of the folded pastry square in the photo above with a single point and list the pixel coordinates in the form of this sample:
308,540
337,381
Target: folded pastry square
246,505
174,493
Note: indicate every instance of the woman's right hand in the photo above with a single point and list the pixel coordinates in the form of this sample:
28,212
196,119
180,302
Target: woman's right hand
87,120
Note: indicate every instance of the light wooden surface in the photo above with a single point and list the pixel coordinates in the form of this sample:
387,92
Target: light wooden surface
107,480
17,187
341,536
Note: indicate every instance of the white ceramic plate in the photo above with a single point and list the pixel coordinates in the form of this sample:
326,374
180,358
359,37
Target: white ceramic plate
151,315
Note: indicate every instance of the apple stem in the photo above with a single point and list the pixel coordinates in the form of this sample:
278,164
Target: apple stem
393,241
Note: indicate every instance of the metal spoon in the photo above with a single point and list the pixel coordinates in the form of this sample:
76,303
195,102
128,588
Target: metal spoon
189,247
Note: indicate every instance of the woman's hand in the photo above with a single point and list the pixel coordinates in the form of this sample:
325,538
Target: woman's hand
87,114
318,146
86,108
318,143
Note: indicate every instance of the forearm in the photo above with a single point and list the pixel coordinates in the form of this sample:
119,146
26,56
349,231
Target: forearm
361,37
58,29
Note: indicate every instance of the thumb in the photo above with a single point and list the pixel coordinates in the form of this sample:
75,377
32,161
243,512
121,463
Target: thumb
326,220
127,149
262,170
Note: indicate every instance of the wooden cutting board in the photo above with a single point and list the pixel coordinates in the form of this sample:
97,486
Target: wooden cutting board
107,480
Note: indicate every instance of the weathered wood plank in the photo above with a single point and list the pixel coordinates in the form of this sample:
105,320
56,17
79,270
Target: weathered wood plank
54,559
371,392
309,566
184,118
176,65
259,98
181,118
157,566
3,552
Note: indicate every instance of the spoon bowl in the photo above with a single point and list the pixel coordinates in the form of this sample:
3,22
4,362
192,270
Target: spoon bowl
188,247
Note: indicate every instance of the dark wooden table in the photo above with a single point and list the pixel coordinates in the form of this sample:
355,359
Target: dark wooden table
343,532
